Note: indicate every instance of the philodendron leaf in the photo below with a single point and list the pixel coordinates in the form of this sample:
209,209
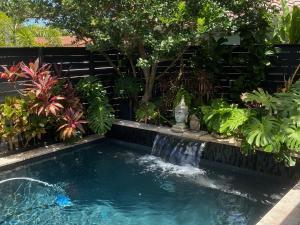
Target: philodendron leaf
292,138
262,97
262,133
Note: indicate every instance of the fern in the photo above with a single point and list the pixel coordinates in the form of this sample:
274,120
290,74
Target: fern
296,87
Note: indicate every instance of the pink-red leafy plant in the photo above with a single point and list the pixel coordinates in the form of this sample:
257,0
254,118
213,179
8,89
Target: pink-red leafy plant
34,71
11,74
72,123
49,97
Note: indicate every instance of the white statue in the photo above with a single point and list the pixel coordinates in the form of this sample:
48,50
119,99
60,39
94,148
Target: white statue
181,115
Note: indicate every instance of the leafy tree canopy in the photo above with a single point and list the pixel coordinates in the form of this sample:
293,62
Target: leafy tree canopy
149,31
25,35
18,10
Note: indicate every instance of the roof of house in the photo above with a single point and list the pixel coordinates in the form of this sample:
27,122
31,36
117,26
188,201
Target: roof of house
291,3
67,41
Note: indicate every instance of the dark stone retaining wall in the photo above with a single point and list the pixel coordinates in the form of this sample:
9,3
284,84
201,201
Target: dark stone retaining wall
216,152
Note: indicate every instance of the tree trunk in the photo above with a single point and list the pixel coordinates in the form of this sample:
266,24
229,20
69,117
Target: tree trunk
14,37
148,91
149,83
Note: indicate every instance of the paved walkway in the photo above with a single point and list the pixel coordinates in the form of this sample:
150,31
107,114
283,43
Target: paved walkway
286,211
42,151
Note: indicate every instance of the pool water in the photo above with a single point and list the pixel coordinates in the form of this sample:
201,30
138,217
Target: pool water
113,183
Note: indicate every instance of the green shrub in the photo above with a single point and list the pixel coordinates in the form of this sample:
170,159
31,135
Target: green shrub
278,128
128,87
99,112
294,32
147,112
224,119
182,93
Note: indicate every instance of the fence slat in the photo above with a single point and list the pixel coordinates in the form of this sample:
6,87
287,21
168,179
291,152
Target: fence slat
77,63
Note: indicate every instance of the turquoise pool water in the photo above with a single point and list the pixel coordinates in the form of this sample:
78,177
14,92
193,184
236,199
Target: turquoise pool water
114,183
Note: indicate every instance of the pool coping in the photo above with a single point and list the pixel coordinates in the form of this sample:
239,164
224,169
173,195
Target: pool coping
199,136
286,211
19,158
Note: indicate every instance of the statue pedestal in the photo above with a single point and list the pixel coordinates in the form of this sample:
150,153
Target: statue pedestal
179,128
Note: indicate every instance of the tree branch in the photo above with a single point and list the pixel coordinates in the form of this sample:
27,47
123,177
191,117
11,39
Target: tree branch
143,54
172,64
132,64
108,59
153,70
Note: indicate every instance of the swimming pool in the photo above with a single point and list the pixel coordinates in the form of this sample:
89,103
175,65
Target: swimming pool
112,182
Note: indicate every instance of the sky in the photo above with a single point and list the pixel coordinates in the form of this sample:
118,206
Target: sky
37,22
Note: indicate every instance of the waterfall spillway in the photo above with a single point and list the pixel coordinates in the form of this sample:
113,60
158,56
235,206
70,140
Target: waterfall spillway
177,150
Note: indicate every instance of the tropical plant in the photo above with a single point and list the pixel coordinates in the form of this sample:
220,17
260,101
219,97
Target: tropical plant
263,133
100,116
263,98
223,118
13,120
128,87
149,32
287,25
294,33
99,111
182,93
16,123
147,112
48,100
277,130
14,32
72,126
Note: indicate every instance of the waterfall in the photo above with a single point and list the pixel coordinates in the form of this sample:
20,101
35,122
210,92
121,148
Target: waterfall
177,150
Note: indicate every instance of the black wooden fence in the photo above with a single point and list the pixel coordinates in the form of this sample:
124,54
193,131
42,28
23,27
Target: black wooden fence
75,63
78,62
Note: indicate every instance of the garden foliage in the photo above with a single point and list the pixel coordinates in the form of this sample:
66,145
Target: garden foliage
47,102
270,122
286,25
150,32
99,111
18,34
